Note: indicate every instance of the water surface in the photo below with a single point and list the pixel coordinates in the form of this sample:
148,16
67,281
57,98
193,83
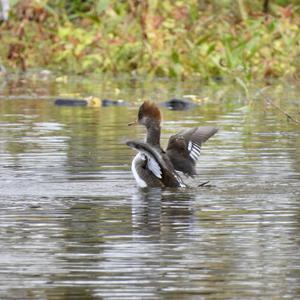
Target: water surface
74,225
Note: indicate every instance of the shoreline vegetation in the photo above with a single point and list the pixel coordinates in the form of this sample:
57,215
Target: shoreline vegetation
243,39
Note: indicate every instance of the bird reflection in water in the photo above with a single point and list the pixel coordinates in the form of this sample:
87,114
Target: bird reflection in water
162,212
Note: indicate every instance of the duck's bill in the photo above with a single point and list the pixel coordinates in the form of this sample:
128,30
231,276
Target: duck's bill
133,123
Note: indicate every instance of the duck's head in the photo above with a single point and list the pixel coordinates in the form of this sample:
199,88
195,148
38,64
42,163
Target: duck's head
148,115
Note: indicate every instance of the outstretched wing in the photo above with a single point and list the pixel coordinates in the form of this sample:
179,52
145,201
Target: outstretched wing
158,164
150,155
184,147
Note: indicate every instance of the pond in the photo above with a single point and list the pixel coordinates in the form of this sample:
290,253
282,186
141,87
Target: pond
74,225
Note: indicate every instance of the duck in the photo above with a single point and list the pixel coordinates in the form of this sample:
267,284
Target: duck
155,167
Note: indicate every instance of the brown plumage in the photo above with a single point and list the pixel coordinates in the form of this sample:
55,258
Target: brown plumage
154,167
149,110
184,147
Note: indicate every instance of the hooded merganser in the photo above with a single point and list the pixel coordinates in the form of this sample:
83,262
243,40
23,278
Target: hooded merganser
153,167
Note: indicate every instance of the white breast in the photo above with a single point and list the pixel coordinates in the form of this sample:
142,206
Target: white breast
141,183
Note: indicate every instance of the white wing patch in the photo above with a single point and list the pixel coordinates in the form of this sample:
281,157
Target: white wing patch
154,167
194,150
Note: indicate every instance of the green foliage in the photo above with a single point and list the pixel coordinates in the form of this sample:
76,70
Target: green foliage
160,38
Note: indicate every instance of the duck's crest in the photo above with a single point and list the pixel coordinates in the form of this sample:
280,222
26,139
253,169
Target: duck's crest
149,109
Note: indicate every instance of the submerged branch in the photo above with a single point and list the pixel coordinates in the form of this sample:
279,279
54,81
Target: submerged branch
289,117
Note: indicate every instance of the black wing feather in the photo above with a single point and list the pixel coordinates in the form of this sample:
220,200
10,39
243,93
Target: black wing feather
184,147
